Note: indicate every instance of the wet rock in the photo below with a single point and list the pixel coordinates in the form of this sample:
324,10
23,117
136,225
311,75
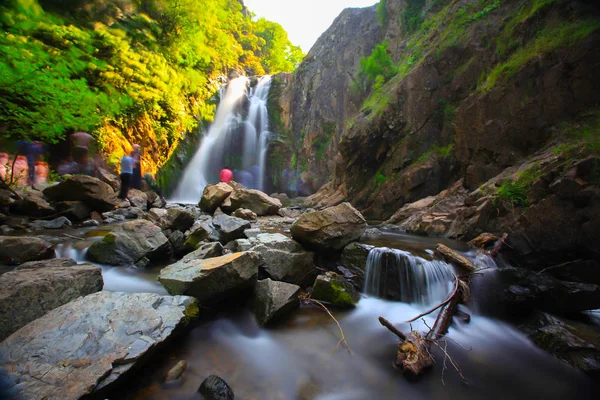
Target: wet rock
334,289
56,223
20,249
176,372
273,300
354,258
212,279
74,210
332,228
96,194
177,240
202,230
215,388
129,242
245,214
252,232
573,342
285,259
584,271
213,196
204,250
484,240
138,199
35,288
95,341
238,245
230,228
90,222
256,201
32,204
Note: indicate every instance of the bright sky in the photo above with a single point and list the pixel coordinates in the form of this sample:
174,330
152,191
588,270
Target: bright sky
304,20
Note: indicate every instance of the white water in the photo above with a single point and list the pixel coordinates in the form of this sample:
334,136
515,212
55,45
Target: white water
399,275
222,142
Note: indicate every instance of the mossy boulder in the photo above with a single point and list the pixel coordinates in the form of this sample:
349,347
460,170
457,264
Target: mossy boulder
334,289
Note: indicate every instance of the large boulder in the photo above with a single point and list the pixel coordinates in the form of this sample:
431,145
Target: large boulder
138,199
175,218
334,289
255,200
213,196
246,214
202,230
332,228
285,259
129,242
212,279
111,179
85,345
34,288
20,249
97,195
56,223
273,300
204,250
75,211
230,228
33,204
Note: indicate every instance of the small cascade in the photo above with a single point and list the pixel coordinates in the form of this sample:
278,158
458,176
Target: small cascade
399,275
233,140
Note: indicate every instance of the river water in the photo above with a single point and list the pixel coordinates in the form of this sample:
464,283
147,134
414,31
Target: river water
294,360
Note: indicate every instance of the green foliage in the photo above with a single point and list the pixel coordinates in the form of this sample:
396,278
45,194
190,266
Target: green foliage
517,192
439,151
447,111
380,179
485,11
547,40
580,135
320,144
412,16
377,68
382,16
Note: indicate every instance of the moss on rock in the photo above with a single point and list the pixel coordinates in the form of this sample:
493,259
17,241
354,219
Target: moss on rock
334,289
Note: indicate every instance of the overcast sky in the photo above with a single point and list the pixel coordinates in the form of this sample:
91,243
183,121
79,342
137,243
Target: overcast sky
304,20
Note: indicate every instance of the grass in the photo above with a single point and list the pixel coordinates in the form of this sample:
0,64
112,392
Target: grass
517,191
440,151
582,135
320,144
547,40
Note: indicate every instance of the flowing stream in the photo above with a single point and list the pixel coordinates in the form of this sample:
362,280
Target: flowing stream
294,360
237,138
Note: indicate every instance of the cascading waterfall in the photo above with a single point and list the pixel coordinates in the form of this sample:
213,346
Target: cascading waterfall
241,143
399,275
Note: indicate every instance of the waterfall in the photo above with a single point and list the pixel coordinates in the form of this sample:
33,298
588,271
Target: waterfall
399,275
241,143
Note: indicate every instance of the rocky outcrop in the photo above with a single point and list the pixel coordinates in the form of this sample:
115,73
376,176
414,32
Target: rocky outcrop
334,289
32,204
285,259
273,300
213,196
130,242
212,279
332,228
96,194
255,201
91,343
20,249
35,288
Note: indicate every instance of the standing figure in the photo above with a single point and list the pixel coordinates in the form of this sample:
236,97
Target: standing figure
81,142
226,175
126,175
137,167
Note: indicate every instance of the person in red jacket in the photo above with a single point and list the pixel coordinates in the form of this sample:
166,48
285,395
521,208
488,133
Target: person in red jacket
226,175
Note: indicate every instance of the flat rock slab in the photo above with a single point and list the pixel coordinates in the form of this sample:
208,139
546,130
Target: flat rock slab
37,287
85,345
20,249
96,194
273,300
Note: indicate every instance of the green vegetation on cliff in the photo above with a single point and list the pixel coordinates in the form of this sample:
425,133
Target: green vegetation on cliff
126,71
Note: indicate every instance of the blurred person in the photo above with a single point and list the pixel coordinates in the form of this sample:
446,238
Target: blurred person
81,152
126,175
136,182
155,187
68,167
4,166
226,175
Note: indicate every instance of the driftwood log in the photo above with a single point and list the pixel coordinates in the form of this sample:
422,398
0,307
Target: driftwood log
453,257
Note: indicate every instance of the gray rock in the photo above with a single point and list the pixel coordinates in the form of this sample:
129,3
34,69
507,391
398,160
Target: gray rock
56,223
215,388
176,372
122,214
230,228
273,300
354,258
138,199
96,194
129,242
285,259
332,228
252,232
33,204
213,196
111,179
254,200
290,212
179,218
35,288
20,249
204,250
90,222
212,279
6,229
334,289
202,229
86,345
177,240
74,210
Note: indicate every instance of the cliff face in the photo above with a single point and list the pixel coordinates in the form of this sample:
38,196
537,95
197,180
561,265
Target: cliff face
479,86
315,102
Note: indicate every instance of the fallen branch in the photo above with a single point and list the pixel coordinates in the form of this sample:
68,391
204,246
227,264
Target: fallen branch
392,328
343,339
557,266
443,303
73,237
